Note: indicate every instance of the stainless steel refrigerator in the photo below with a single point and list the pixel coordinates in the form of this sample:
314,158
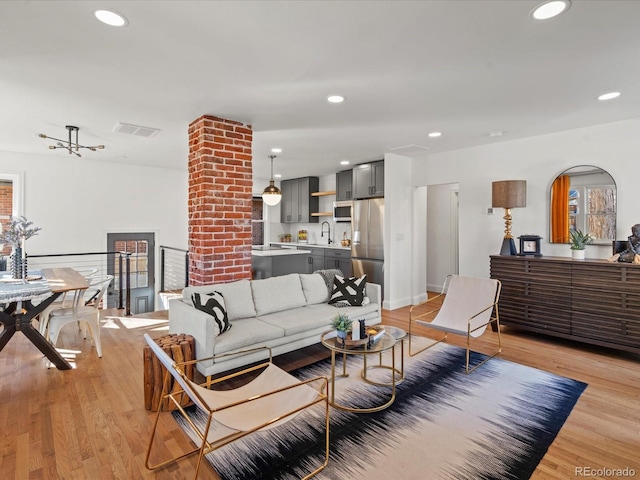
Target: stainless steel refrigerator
367,240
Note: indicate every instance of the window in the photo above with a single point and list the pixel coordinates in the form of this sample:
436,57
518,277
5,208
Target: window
10,201
592,209
139,262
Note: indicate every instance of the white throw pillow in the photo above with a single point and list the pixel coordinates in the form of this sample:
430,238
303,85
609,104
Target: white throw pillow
213,304
237,297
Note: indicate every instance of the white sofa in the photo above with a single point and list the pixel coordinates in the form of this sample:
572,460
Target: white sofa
285,313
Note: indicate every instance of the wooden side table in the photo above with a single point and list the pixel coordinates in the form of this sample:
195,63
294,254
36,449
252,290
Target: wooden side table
181,348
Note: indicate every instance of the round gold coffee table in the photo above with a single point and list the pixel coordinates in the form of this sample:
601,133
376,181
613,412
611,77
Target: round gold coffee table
399,334
386,342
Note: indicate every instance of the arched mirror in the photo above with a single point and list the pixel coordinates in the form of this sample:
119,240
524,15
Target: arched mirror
583,198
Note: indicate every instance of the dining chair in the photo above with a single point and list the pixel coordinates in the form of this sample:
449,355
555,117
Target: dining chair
64,300
79,313
469,306
270,399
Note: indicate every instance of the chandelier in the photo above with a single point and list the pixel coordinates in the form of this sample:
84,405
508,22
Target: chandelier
69,144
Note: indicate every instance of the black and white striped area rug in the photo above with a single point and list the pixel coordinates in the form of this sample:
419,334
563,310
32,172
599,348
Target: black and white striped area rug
496,423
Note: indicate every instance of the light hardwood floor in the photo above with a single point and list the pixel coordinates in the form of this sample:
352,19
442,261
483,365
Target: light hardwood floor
90,422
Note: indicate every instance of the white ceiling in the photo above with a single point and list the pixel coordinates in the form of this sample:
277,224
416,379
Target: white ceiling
465,68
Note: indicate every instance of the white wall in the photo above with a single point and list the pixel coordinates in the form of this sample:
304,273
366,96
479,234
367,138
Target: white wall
399,231
614,147
419,246
77,201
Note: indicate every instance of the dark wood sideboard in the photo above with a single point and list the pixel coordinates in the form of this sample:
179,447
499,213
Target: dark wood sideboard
591,301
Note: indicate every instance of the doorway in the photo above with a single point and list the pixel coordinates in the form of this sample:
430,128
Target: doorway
141,247
442,234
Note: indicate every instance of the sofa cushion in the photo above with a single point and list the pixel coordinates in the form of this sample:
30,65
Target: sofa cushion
249,333
277,293
237,297
353,312
298,320
348,291
314,288
214,305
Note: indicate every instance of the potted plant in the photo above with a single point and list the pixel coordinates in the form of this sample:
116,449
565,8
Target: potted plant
342,324
579,242
16,233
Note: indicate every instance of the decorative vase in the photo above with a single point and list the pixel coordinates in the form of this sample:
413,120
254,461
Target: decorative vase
341,336
577,254
18,264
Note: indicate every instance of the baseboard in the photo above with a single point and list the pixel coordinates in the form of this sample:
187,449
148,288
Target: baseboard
399,303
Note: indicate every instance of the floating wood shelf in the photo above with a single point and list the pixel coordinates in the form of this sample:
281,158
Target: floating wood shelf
323,194
322,214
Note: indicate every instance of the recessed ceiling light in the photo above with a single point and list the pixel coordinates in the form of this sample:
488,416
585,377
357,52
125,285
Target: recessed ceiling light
111,18
335,99
278,175
435,134
609,96
344,162
550,9
496,133
276,150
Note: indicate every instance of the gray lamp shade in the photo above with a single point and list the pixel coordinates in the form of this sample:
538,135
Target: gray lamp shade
509,194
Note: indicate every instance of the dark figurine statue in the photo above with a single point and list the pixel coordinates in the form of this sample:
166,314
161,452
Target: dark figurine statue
633,246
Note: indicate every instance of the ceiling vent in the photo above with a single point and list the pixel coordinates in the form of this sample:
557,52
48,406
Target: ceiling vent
136,130
410,150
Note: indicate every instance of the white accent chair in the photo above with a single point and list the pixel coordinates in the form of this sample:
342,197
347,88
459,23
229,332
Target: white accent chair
79,313
466,311
270,399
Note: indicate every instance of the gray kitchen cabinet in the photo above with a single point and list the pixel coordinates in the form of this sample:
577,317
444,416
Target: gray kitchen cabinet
334,258
297,203
289,201
277,265
315,260
344,185
368,180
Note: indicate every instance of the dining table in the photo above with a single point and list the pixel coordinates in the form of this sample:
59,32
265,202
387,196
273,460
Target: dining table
22,300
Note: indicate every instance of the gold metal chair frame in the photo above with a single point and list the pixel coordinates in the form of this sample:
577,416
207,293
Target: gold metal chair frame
319,383
494,319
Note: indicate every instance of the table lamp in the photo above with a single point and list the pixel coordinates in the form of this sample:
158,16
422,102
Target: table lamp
508,194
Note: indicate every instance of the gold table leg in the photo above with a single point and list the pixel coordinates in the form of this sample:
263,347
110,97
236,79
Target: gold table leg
400,371
377,408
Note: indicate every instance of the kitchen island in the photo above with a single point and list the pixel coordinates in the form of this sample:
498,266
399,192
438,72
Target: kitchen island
271,262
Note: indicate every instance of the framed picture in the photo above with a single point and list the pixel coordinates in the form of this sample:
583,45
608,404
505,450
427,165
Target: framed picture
530,245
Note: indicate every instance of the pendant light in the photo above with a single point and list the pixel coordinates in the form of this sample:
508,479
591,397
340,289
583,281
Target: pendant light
271,195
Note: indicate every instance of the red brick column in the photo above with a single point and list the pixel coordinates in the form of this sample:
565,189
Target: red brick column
220,191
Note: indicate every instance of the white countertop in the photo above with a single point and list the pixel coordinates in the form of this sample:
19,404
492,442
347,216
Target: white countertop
276,252
293,245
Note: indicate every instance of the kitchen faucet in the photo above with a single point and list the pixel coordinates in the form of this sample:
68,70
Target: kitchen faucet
328,232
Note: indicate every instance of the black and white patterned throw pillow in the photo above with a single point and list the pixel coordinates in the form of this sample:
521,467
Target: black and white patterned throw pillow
348,291
215,307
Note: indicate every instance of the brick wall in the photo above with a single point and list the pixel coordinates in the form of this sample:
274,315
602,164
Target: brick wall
6,209
220,192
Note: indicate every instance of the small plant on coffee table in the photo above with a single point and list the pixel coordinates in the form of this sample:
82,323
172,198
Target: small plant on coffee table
342,324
